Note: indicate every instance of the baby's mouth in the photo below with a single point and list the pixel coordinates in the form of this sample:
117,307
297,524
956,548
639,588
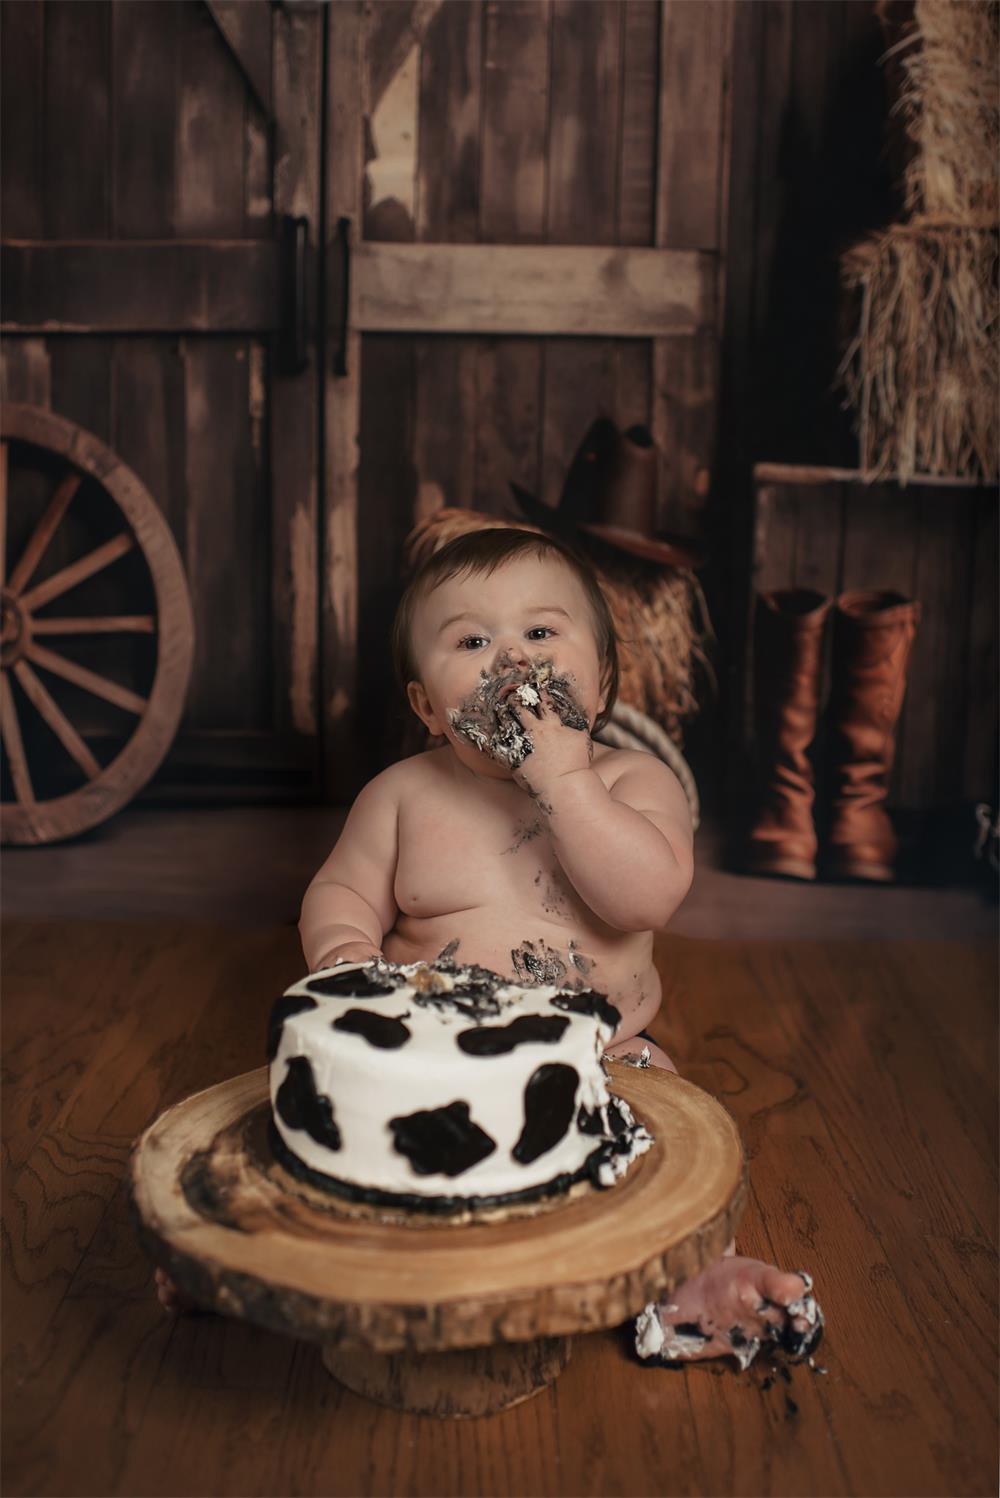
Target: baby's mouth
490,717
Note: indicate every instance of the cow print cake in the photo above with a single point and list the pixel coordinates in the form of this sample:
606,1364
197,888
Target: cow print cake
441,1087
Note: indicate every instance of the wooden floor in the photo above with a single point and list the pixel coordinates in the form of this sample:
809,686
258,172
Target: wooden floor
861,1073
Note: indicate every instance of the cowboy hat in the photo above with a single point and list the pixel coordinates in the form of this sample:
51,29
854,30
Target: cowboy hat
610,492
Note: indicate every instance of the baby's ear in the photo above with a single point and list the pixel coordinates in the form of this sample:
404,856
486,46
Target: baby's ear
420,703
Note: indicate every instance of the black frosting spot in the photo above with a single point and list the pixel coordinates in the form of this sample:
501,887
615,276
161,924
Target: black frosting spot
380,1030
300,1106
589,1120
588,1001
442,1141
281,1010
600,1120
548,1110
355,983
497,1040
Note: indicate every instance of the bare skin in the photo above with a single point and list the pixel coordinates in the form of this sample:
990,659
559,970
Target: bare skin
494,864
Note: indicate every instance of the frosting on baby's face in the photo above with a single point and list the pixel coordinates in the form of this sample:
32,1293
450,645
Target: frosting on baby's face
530,614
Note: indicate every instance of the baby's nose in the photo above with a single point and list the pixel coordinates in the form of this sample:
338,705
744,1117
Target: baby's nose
510,658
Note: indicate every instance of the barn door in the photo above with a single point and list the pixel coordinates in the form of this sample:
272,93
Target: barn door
525,224
161,216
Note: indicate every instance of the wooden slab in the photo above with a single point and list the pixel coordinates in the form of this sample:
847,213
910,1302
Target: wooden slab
234,1230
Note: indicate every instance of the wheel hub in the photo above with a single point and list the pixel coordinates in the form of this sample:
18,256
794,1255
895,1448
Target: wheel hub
15,629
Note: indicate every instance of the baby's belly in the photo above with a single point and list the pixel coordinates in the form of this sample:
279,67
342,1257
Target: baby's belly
530,951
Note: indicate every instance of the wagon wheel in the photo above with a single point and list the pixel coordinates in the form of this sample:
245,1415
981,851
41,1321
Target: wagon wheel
71,457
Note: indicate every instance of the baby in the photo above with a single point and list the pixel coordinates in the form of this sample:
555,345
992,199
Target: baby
522,845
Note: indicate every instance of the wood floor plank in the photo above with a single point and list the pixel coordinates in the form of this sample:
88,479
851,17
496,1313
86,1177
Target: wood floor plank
75,1166
865,1109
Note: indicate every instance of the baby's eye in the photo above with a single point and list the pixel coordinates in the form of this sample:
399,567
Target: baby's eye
542,627
466,638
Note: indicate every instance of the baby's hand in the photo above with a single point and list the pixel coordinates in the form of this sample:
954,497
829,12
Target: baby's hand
352,951
556,749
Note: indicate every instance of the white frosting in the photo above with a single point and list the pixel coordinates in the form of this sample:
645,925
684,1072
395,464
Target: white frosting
368,1086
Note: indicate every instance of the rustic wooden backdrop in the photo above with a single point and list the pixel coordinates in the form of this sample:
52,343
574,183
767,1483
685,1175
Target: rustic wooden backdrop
747,135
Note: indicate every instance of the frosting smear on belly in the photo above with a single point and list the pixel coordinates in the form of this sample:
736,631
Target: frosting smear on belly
440,1086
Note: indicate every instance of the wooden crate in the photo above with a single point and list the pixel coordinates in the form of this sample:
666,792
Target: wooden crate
933,540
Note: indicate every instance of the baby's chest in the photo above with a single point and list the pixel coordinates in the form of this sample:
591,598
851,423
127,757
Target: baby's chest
451,860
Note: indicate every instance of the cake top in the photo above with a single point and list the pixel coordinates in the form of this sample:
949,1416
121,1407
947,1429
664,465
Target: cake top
491,1014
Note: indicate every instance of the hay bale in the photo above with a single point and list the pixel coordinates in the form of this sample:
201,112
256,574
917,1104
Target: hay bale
950,99
922,370
654,611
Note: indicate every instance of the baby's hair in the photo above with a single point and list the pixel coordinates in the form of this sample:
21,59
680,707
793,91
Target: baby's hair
480,553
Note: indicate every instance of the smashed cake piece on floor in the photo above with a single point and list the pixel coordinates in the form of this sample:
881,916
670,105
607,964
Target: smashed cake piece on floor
439,1087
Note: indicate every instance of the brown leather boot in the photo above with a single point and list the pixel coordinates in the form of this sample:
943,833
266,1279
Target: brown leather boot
788,658
872,637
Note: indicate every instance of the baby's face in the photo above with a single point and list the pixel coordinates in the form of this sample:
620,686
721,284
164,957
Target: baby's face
532,608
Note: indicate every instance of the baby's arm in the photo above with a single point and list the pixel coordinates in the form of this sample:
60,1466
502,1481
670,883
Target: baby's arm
350,904
628,852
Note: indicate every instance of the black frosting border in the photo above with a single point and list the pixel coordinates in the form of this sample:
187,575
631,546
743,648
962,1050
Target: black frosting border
441,1206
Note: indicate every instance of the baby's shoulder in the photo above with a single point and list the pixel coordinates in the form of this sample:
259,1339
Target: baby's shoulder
420,772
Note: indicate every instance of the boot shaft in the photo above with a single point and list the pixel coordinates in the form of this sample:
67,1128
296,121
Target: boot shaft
789,626
873,634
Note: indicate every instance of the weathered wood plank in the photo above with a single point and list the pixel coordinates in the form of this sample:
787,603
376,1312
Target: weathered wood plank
684,417
508,414
638,143
448,129
341,396
935,713
579,380
981,730
25,371
22,87
694,57
294,399
512,209
246,30
584,115
212,99
76,105
515,117
145,60
207,286
692,181
819,538
227,539
444,449
149,431
805,473
388,496
633,385
777,527
458,288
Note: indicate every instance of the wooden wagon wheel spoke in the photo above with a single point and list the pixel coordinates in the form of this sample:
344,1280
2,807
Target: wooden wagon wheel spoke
148,610
110,624
56,719
99,686
94,561
3,514
10,729
43,532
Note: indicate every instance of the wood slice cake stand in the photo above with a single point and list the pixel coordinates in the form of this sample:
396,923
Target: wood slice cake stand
437,1316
